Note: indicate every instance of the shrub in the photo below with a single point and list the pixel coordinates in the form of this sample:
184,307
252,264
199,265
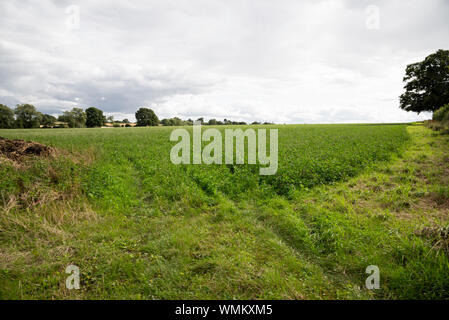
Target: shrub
442,113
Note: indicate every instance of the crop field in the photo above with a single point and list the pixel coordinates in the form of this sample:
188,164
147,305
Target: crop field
140,227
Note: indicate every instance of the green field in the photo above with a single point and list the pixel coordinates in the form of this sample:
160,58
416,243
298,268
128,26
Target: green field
139,227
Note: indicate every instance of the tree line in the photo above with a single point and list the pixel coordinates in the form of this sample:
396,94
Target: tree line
212,122
26,116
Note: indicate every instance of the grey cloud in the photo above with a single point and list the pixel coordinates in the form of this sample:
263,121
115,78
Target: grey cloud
285,61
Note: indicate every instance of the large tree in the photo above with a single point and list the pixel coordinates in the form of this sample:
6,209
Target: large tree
6,117
146,117
95,117
27,116
427,83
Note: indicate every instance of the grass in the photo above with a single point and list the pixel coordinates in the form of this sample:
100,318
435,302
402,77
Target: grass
139,227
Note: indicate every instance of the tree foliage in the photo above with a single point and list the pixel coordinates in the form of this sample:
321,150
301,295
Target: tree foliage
212,122
27,116
427,83
95,117
48,120
75,118
146,117
173,122
442,114
6,117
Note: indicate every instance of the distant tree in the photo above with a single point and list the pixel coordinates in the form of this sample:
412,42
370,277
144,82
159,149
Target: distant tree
94,117
177,121
212,122
80,117
255,122
173,122
110,119
6,117
48,120
62,118
200,120
427,83
67,117
75,118
146,117
125,121
27,116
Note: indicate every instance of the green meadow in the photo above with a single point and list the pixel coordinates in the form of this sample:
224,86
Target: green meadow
139,227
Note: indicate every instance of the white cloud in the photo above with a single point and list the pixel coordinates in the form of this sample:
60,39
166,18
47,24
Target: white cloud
284,61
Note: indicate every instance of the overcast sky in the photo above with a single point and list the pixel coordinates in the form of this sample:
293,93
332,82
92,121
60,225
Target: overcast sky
284,61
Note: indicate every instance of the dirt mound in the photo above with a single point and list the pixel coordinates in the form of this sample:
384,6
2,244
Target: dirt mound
18,150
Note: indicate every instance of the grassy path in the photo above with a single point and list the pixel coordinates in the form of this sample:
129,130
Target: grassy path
395,217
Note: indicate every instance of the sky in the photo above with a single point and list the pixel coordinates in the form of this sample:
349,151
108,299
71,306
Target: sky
283,61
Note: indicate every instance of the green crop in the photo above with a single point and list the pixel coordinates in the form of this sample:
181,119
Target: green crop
140,227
